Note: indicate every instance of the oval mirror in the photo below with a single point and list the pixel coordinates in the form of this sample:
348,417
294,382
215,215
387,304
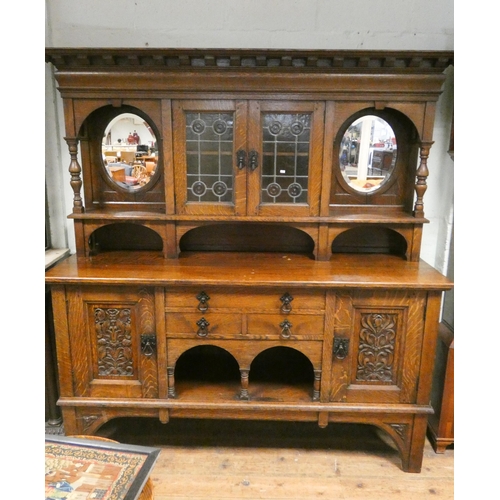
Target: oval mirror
368,153
129,151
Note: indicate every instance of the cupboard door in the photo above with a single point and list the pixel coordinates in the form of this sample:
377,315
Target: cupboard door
210,173
285,144
113,342
377,344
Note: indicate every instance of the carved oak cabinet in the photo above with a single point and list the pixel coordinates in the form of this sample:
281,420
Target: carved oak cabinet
248,228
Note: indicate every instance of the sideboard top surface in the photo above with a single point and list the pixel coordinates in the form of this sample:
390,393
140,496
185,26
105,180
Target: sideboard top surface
249,269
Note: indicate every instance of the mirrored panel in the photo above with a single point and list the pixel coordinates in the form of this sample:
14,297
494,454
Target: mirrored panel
129,151
368,153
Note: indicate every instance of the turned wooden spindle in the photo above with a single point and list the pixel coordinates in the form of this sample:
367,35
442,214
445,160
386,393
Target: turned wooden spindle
244,384
171,382
75,170
422,174
317,383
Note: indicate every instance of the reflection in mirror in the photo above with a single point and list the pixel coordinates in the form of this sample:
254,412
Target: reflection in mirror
129,151
368,153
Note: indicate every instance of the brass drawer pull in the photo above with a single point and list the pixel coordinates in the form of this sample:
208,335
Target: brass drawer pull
253,156
286,299
340,348
285,329
203,298
241,158
148,344
203,325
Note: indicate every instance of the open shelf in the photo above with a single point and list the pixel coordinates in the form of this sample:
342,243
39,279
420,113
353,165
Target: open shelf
210,373
201,390
247,237
370,239
124,236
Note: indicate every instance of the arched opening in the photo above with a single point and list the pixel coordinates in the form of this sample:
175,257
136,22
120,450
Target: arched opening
207,371
281,374
375,164
370,239
247,238
124,236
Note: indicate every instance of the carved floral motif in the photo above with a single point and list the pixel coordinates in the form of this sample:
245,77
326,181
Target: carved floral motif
114,341
401,430
376,347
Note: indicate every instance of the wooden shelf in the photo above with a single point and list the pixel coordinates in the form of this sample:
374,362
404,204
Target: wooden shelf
225,392
216,268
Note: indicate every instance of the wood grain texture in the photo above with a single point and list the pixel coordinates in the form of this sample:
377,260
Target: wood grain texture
441,425
354,346
266,270
63,342
276,460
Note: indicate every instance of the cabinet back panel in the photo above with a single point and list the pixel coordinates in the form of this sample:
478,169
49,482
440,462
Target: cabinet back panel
125,236
370,240
247,238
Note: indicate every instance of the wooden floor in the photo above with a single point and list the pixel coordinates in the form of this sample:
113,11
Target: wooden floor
219,460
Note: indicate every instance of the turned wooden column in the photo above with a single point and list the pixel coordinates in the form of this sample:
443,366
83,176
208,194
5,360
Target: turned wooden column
171,382
317,385
244,384
422,174
75,170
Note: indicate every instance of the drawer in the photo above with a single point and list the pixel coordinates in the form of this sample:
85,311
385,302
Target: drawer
244,326
242,300
218,325
297,326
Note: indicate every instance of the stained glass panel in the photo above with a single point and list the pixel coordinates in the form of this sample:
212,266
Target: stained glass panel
209,152
285,163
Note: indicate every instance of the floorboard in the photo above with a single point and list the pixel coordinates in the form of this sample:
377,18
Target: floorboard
219,460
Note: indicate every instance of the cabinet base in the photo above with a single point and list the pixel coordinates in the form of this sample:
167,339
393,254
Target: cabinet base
406,430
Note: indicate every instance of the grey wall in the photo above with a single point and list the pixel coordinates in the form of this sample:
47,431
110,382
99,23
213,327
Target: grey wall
314,24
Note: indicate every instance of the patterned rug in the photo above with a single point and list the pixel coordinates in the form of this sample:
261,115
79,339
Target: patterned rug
81,468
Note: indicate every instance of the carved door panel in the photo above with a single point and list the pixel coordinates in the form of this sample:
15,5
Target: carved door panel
113,341
376,349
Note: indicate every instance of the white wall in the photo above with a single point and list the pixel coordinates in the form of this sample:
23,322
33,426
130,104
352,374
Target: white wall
439,197
294,24
314,24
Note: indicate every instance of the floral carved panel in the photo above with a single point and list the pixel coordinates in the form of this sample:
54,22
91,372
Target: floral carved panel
376,350
113,331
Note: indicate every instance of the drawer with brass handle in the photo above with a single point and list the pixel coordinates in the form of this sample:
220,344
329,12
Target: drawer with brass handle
207,299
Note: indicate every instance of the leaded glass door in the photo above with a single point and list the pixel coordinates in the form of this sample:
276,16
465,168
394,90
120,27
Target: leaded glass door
285,154
207,138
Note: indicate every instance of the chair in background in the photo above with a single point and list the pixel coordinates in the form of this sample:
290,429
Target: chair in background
150,167
140,173
128,156
117,173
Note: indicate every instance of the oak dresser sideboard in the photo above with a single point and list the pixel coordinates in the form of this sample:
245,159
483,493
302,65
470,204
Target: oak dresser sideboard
248,227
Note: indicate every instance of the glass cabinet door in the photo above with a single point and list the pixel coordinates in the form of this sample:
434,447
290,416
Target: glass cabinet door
248,157
285,154
211,174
